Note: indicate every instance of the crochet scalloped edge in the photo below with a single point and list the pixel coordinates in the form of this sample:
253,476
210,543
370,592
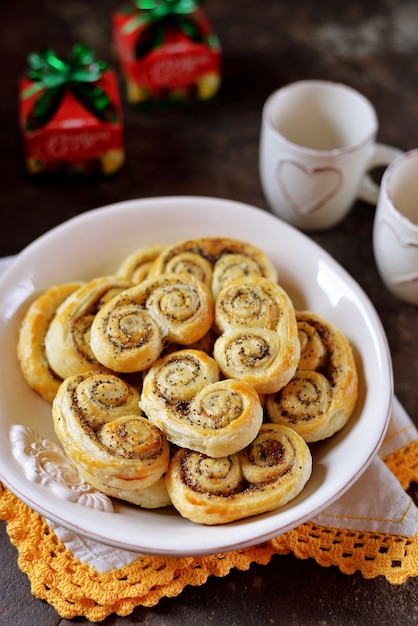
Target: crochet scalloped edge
403,463
75,589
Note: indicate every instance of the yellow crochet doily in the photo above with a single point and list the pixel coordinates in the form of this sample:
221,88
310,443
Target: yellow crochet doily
75,589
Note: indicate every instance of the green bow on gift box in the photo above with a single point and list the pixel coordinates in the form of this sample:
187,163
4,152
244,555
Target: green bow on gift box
52,76
154,17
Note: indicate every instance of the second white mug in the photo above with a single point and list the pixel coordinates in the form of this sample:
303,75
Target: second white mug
317,145
395,229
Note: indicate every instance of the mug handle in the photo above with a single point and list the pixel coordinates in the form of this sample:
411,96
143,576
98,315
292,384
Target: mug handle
382,155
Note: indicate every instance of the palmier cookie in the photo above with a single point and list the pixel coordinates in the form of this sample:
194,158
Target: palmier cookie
31,353
130,332
114,447
321,397
136,266
67,341
183,396
217,261
259,343
268,473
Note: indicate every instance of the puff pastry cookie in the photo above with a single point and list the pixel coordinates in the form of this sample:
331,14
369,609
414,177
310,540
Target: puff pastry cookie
130,332
188,261
31,352
259,343
321,397
136,266
114,447
215,260
183,396
67,341
267,474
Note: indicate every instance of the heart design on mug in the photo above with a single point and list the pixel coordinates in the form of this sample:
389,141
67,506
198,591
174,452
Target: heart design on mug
307,189
410,248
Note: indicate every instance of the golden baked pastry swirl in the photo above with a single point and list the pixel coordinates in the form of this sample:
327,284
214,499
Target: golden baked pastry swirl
231,266
268,473
253,302
182,395
67,341
219,259
190,263
230,414
259,342
313,350
322,395
175,379
102,430
129,333
31,352
136,266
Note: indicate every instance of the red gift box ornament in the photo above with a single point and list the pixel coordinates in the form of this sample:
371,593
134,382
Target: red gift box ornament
70,114
167,51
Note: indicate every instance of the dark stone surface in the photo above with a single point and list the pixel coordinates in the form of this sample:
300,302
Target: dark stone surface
213,150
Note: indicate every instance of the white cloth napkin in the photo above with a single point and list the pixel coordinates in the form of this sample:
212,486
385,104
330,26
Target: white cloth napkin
375,503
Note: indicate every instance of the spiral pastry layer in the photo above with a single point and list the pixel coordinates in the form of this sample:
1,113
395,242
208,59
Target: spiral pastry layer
67,341
31,352
130,332
136,266
220,260
183,396
259,343
101,428
253,302
313,350
321,397
267,474
191,263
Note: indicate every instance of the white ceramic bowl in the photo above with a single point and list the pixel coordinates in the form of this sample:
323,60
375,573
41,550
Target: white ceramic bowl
93,244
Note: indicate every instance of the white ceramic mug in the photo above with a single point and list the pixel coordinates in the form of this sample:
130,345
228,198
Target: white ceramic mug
317,145
395,230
